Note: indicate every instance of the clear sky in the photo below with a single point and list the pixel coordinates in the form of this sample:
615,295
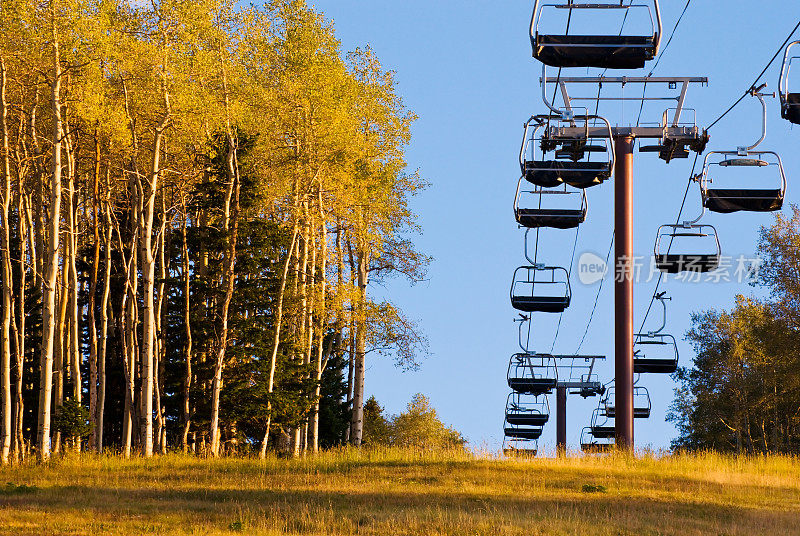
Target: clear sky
466,68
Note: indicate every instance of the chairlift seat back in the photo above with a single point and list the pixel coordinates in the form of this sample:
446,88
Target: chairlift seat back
734,200
524,433
638,413
551,218
597,448
602,51
551,173
603,432
532,386
527,419
674,263
540,304
654,366
520,452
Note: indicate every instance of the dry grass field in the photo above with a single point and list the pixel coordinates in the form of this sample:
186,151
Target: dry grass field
402,493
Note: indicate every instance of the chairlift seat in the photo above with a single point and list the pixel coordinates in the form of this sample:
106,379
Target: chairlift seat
523,433
654,366
551,173
791,108
527,419
540,304
638,413
521,453
673,263
597,448
551,218
603,51
603,432
733,200
532,386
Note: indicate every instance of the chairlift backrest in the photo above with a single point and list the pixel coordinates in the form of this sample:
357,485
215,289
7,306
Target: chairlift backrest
544,289
533,209
789,95
655,353
610,50
702,255
642,404
572,149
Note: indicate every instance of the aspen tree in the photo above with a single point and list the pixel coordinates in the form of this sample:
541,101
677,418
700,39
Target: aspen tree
50,254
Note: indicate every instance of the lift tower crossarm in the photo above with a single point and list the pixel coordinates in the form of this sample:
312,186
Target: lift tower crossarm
671,81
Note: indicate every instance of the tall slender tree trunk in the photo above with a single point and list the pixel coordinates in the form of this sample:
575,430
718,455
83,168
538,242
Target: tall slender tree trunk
61,349
7,274
95,268
351,335
302,270
160,339
231,226
321,321
127,326
187,348
50,255
276,340
74,355
148,268
357,422
19,406
104,305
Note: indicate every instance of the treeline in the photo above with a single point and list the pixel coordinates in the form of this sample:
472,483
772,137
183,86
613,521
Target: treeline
196,196
743,393
418,427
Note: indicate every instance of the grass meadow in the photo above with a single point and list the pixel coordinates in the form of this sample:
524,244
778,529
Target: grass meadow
393,492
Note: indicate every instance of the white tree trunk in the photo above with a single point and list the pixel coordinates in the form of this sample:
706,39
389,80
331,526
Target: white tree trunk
50,255
7,290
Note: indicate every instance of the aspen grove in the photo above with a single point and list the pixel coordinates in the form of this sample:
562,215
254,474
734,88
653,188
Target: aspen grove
196,199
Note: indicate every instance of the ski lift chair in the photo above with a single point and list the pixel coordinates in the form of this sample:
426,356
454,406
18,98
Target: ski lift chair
790,100
533,289
602,426
655,353
523,432
641,403
609,51
726,200
554,218
744,198
515,447
567,166
673,237
532,374
592,445
524,410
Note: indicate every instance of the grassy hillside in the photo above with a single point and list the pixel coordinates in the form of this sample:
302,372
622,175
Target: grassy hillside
394,493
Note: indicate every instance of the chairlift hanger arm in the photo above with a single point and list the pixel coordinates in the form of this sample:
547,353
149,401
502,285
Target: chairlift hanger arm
755,92
783,80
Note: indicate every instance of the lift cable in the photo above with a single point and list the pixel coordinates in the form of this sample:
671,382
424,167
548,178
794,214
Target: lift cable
746,93
577,231
677,221
758,78
661,55
596,298
638,121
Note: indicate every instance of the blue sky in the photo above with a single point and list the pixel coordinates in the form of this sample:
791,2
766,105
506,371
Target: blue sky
466,68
